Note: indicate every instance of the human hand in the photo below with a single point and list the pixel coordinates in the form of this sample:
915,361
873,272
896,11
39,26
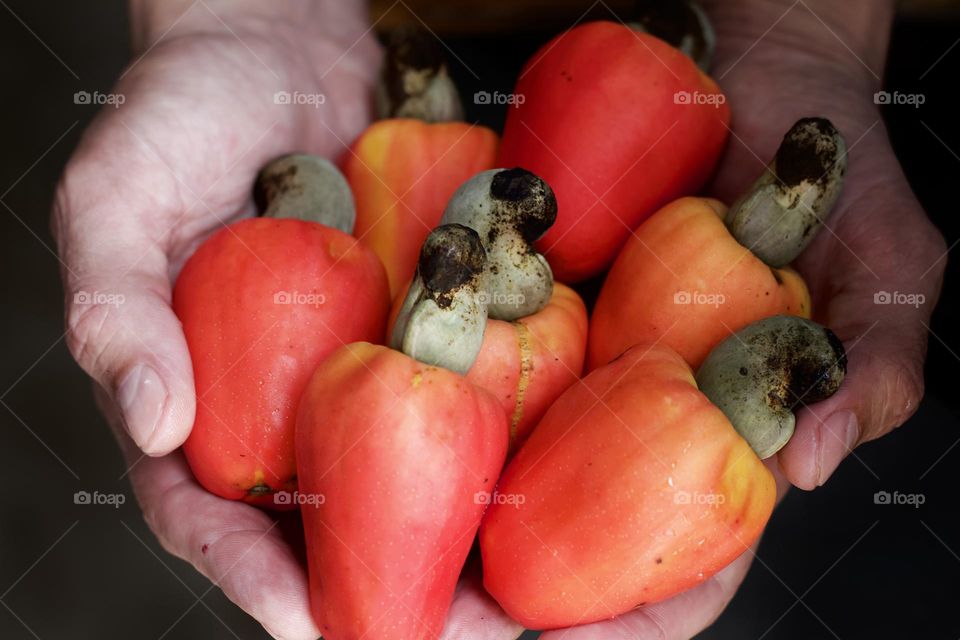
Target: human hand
150,181
826,59
778,61
147,184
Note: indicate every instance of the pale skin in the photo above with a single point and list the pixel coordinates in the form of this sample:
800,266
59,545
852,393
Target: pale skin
200,120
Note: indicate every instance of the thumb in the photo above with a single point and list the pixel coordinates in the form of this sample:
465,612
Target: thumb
120,326
884,331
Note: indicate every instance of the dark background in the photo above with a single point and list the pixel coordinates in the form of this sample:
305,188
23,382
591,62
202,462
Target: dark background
833,563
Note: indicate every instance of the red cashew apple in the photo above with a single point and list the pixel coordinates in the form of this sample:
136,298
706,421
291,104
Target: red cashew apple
402,172
527,363
695,271
619,123
262,303
403,169
397,459
535,349
636,485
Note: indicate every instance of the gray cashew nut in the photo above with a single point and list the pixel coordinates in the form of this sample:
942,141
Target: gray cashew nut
509,209
785,207
444,315
680,23
414,82
307,188
760,374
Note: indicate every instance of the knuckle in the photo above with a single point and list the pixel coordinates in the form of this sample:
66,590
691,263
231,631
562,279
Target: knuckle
897,397
163,512
64,201
908,389
88,330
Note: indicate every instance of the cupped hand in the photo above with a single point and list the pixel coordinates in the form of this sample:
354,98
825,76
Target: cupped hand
876,267
151,179
204,109
778,61
147,184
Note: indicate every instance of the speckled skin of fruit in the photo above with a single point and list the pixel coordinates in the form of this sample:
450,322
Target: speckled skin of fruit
262,303
684,281
637,496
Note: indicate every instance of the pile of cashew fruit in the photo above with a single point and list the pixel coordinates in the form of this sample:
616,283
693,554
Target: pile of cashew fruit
388,347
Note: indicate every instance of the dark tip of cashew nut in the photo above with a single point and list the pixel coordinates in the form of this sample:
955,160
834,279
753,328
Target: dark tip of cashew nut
414,82
307,188
782,212
510,209
451,256
680,23
535,206
762,373
444,315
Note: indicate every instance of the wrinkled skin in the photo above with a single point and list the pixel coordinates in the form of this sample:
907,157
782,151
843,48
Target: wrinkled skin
123,222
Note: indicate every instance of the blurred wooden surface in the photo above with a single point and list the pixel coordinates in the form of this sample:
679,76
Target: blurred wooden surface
486,16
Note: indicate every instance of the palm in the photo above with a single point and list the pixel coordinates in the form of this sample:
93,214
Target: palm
201,116
179,158
878,238
199,121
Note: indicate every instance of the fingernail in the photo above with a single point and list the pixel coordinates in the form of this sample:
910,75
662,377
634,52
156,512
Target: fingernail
141,396
838,437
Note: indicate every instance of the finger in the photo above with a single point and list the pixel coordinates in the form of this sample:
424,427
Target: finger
474,615
123,333
678,618
238,547
883,388
877,296
120,327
